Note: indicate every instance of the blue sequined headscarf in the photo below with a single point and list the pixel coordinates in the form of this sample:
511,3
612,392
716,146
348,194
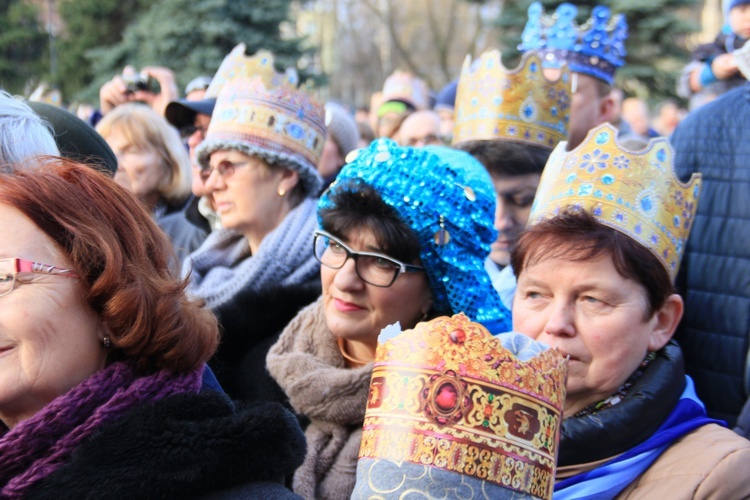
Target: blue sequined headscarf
446,197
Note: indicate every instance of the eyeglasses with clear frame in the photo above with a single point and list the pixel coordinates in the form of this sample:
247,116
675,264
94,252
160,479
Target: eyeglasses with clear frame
11,268
372,268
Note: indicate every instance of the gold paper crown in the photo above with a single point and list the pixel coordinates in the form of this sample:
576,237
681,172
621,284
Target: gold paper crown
403,86
449,395
520,105
238,65
260,111
636,193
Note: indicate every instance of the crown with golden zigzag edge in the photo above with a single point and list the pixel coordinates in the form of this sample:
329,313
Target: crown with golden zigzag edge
634,192
448,395
520,105
261,111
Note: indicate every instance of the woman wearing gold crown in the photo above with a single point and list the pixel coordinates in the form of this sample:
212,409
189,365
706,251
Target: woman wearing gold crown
258,164
404,235
596,271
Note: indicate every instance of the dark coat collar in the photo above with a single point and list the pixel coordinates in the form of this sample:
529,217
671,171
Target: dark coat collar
184,446
616,429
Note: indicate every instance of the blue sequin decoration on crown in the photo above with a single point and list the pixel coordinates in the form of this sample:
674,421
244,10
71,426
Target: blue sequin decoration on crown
595,48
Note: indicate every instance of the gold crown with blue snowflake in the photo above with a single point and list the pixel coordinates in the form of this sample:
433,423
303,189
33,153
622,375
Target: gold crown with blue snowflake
521,105
636,193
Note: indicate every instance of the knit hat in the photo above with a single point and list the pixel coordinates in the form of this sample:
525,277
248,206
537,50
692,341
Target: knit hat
737,3
446,98
446,197
198,83
341,127
76,139
262,113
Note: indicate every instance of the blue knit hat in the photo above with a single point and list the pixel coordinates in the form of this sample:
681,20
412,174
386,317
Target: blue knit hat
446,98
446,197
736,3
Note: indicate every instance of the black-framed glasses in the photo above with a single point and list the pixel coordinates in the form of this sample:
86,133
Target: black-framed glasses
372,268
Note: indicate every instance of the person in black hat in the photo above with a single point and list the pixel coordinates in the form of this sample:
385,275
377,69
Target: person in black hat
192,117
76,139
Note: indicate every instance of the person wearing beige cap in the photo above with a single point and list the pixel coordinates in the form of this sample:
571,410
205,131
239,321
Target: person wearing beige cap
343,137
258,162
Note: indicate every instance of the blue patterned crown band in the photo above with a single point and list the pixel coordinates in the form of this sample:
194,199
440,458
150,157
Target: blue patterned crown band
446,197
595,48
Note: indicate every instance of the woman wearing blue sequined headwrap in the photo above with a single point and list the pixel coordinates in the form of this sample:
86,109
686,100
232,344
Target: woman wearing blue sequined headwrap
404,236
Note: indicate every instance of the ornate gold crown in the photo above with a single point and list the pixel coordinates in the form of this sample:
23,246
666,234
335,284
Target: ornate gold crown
636,193
238,65
266,113
447,395
521,105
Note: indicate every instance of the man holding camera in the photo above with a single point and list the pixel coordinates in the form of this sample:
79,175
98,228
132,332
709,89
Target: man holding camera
132,86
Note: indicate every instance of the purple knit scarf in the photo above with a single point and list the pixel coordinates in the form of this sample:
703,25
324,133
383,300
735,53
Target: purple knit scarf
37,446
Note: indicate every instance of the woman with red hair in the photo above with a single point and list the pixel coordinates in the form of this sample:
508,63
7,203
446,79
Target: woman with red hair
102,356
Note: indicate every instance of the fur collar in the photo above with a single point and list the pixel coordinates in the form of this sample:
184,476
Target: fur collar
184,446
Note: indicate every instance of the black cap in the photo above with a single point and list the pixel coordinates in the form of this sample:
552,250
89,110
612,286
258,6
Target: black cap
76,139
182,113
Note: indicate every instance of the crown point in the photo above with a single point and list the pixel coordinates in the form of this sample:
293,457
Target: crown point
647,202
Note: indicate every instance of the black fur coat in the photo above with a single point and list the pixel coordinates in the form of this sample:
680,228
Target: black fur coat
250,324
186,446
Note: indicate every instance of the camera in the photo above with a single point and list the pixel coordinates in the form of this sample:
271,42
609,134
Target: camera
140,81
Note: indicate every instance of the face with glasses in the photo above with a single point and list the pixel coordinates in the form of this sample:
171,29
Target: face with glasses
365,290
50,338
245,192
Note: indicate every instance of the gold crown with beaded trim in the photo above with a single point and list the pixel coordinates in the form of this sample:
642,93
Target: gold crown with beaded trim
636,193
521,105
448,395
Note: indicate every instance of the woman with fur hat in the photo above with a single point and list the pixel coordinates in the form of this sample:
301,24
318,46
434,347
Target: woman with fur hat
403,236
258,163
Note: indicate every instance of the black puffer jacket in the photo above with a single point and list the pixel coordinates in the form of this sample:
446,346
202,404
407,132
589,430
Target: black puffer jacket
615,430
715,275
250,324
186,446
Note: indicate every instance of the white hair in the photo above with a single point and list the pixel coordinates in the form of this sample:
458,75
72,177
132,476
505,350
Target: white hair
23,133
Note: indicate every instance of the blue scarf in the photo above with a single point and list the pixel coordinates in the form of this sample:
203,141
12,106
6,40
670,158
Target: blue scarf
608,480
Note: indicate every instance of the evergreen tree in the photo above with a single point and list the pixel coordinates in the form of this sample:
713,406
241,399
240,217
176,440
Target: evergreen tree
191,37
23,44
89,24
655,44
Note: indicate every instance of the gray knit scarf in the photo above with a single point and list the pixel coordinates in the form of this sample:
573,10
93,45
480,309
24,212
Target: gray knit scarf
307,364
223,265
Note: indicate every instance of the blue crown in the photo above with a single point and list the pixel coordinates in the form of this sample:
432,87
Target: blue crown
596,48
